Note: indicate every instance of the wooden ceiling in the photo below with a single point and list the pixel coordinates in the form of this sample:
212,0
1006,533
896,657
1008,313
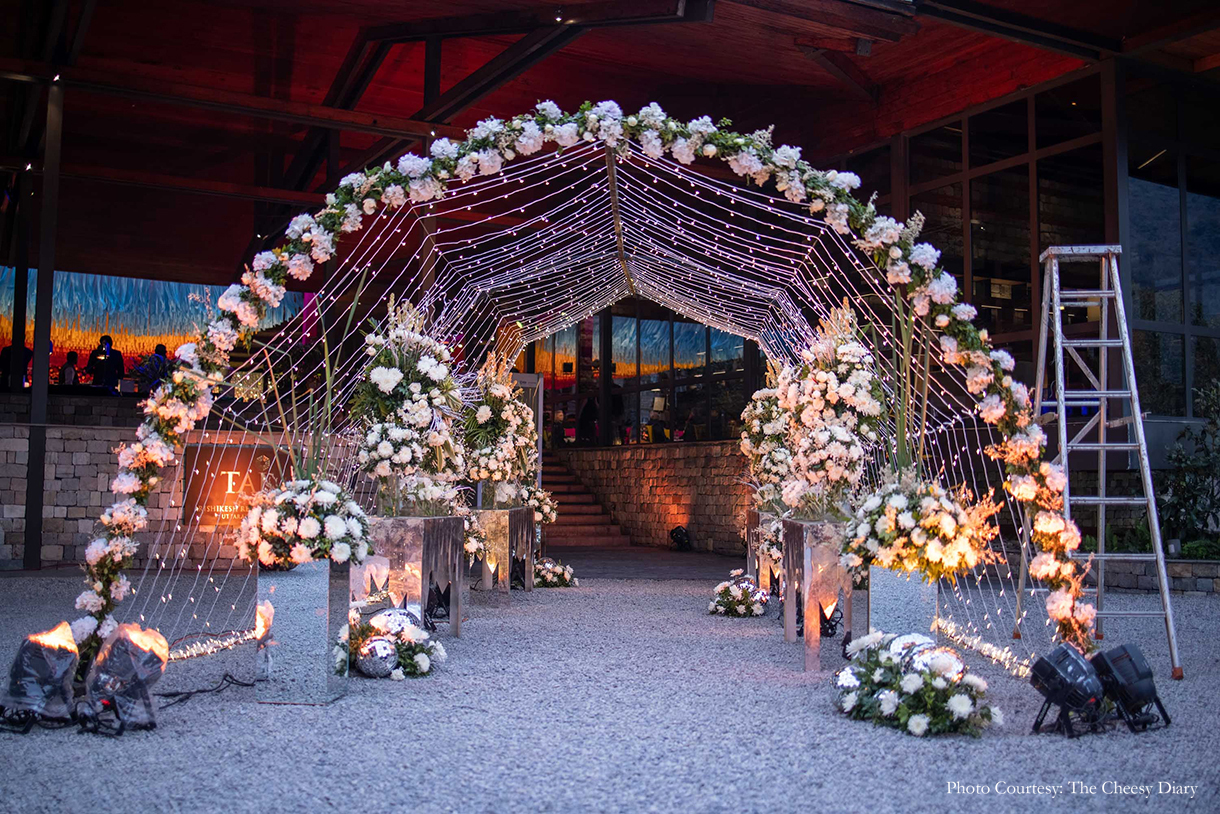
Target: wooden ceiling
157,188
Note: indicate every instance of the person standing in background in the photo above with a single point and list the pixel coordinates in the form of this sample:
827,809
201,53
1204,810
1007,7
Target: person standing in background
67,374
153,371
106,365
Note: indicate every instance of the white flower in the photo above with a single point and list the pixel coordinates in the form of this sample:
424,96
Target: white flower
340,552
889,702
849,701
997,717
397,674
108,626
309,528
846,679
911,682
385,378
549,111
300,554
964,312
413,166
1059,605
917,725
925,255
422,662
992,409
444,148
960,705
336,527
89,602
974,681
83,627
96,550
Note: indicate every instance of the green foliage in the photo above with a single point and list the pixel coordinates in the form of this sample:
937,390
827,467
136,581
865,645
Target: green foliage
1190,492
1201,550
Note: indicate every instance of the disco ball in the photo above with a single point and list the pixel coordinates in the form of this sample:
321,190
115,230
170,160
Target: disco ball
923,658
393,620
377,657
903,646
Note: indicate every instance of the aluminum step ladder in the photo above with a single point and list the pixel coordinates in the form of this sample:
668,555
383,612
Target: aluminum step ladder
1108,398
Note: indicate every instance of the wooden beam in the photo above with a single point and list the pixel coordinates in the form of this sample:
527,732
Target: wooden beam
1205,18
1016,27
226,189
584,15
1207,63
853,19
505,66
304,113
844,70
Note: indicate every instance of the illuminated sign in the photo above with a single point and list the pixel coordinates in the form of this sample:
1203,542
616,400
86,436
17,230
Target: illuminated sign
220,479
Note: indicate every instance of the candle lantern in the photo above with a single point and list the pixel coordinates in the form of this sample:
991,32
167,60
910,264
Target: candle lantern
129,663
509,556
40,680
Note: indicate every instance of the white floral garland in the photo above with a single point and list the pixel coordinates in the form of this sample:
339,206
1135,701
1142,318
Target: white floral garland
912,266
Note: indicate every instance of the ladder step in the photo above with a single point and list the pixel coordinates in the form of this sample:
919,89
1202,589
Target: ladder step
1092,343
1107,500
1109,446
1118,556
1084,293
1132,614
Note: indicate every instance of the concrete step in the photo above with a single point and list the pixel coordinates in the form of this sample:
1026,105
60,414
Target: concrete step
602,541
570,509
568,498
566,488
559,479
605,526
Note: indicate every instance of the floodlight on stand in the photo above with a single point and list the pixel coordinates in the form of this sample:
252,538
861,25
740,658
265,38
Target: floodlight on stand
1127,680
1068,680
40,680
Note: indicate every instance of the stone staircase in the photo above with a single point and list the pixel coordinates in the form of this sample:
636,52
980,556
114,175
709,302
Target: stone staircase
582,521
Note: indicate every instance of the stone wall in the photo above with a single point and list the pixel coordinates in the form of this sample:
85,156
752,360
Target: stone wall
93,410
1185,576
80,464
650,489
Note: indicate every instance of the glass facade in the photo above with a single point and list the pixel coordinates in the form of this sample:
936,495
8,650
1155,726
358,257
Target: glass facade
672,379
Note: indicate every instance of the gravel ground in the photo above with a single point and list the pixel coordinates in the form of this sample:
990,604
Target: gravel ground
615,696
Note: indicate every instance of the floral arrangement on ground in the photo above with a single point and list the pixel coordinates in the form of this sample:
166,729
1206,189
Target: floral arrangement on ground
416,653
549,573
738,596
906,683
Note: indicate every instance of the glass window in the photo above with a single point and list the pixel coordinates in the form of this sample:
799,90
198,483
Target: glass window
1068,111
943,228
691,412
1160,371
544,360
728,351
1201,118
873,167
624,339
1203,240
936,153
999,133
690,348
728,399
589,364
565,359
1071,212
1207,362
654,350
1156,238
1151,107
999,247
654,417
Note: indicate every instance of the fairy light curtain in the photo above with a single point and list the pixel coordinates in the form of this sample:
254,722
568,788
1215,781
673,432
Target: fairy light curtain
505,259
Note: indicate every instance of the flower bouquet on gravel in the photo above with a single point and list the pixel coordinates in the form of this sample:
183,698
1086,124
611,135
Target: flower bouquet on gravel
389,645
908,683
550,573
738,596
300,521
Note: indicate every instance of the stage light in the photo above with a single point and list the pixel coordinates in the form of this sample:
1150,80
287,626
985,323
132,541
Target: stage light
40,681
1068,680
1127,679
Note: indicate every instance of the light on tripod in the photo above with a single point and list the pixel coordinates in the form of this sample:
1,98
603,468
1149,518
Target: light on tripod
1127,679
1069,681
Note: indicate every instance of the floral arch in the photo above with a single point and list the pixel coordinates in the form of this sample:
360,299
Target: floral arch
483,233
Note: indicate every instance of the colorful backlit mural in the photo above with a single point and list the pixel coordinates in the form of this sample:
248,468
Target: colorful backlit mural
137,314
